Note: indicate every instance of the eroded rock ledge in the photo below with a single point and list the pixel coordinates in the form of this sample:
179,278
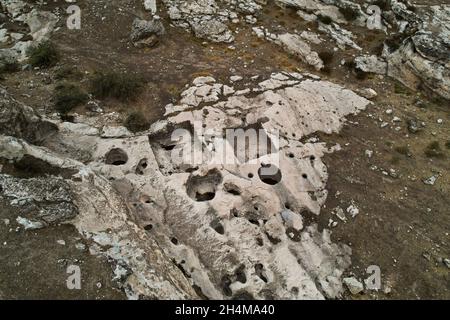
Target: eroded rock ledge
207,229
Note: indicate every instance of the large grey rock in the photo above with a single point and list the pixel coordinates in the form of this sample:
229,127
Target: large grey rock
423,60
212,30
143,29
41,201
19,120
372,64
295,45
152,215
203,17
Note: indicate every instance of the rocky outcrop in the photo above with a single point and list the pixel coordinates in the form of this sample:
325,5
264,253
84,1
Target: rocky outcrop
214,226
203,17
422,60
90,203
41,201
19,120
40,24
372,64
146,33
293,44
343,37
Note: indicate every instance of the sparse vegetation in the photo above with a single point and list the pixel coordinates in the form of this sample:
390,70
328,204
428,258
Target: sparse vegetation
136,122
326,56
174,90
404,150
447,144
359,74
394,41
68,72
9,66
433,150
324,19
395,159
68,96
400,89
121,86
349,13
44,55
384,5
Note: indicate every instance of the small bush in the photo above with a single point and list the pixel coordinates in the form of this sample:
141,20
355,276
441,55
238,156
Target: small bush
121,86
349,13
43,55
433,150
326,56
68,96
359,74
400,89
383,4
136,122
394,41
326,70
9,67
71,73
324,19
395,159
404,150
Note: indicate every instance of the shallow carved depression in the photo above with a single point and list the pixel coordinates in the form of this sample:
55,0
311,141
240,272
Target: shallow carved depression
203,188
116,157
270,174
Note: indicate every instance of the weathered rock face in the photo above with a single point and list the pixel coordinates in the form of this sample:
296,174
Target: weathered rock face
21,121
90,203
343,38
203,17
41,201
40,24
423,60
233,224
146,33
293,44
371,64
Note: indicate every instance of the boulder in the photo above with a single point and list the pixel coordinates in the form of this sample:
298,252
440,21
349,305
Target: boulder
422,60
146,33
19,120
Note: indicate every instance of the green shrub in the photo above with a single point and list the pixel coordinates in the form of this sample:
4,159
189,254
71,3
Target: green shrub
326,56
68,96
404,150
324,19
71,73
121,86
433,150
400,89
394,41
43,55
383,4
349,13
136,122
359,74
9,66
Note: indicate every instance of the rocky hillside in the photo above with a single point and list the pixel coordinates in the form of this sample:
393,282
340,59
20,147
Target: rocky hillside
120,150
